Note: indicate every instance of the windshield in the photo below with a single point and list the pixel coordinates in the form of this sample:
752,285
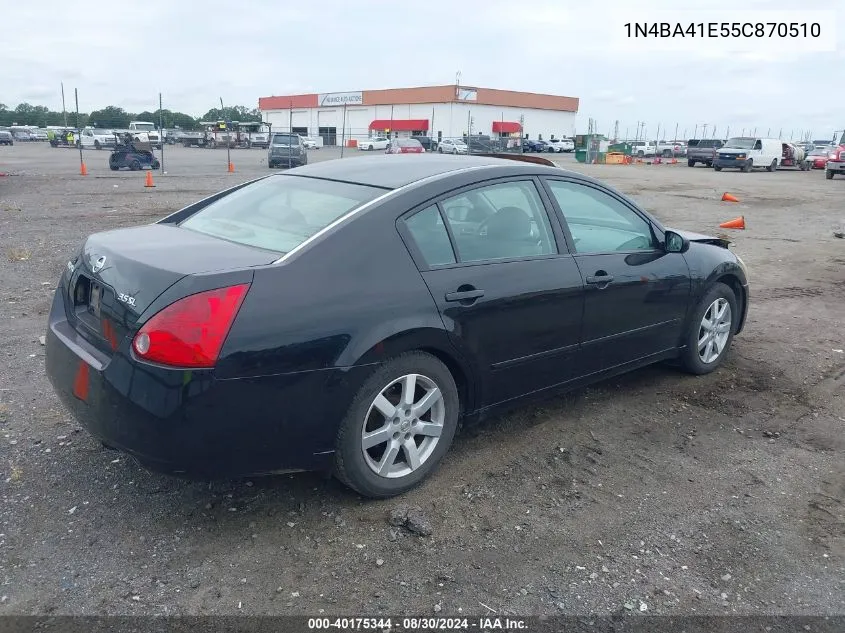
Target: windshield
147,127
818,152
285,139
739,143
280,212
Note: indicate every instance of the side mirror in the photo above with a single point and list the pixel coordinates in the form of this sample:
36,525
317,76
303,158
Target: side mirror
676,243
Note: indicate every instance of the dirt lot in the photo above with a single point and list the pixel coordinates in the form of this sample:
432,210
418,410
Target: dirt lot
657,491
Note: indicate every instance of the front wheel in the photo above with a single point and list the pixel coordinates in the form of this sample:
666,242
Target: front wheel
748,166
135,165
828,174
690,163
97,145
399,426
717,168
155,164
370,148
711,330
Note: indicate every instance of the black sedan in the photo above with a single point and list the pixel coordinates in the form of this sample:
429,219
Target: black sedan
344,315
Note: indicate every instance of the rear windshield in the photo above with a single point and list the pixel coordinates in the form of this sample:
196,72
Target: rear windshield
285,139
280,212
708,143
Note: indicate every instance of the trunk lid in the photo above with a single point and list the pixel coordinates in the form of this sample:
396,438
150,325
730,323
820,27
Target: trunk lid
118,274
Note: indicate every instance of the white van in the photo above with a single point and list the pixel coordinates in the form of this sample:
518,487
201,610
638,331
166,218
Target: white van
748,152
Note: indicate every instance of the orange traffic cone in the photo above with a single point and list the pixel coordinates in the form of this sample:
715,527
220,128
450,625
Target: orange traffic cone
231,168
83,170
727,197
149,181
736,223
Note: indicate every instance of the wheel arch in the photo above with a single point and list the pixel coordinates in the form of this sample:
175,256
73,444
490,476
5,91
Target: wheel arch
732,281
431,340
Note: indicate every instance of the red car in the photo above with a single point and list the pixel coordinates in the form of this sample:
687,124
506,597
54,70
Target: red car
817,158
405,146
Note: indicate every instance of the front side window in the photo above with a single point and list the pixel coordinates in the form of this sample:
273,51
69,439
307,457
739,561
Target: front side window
598,222
280,212
501,221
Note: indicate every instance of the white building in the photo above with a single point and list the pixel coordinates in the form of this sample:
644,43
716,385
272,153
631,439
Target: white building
435,111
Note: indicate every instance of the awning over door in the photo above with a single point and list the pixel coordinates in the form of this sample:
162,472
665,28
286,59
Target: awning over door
506,127
400,125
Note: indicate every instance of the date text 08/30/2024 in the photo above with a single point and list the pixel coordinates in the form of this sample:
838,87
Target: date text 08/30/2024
723,30
481,624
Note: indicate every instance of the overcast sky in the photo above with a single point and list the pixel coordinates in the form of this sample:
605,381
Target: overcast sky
126,53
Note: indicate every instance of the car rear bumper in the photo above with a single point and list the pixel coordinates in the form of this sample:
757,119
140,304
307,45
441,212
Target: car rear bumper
190,423
284,161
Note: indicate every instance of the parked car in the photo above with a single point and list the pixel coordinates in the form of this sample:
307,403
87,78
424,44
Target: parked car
404,146
326,319
38,135
428,143
452,146
561,145
370,144
748,152
817,158
309,143
702,151
97,138
537,146
286,150
6,138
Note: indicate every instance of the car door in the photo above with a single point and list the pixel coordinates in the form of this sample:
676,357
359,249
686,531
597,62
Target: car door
508,291
636,293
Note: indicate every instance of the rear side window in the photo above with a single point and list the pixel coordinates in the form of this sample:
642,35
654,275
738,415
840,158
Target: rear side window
280,212
431,237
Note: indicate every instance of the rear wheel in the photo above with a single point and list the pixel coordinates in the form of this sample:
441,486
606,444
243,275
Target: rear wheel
828,174
97,145
399,426
690,163
370,148
773,166
717,168
135,165
711,330
155,164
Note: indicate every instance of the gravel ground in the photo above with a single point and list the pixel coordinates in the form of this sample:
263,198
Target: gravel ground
657,492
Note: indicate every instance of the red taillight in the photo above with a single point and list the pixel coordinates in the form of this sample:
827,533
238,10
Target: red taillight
191,331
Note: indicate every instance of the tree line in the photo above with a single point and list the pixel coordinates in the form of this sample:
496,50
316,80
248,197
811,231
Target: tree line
115,117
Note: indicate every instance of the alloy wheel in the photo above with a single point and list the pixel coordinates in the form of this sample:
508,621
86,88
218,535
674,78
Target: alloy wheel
403,426
714,331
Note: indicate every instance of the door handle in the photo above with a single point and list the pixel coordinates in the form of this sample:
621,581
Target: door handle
464,295
599,280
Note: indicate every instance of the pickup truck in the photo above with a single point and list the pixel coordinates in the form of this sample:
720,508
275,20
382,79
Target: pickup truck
641,149
669,149
702,151
145,131
835,160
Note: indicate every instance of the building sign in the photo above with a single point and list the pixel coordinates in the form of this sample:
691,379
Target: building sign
340,98
467,94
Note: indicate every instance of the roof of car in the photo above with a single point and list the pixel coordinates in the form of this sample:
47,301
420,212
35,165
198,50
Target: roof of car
397,170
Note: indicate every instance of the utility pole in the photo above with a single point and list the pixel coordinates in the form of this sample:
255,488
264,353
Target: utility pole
228,136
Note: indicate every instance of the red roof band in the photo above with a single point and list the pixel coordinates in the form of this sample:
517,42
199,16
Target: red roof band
400,125
506,127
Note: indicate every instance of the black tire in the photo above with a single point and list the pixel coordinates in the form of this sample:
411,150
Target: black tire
690,163
113,167
717,168
369,148
155,164
709,163
270,165
350,465
828,174
97,145
773,166
135,165
440,150
748,166
690,359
